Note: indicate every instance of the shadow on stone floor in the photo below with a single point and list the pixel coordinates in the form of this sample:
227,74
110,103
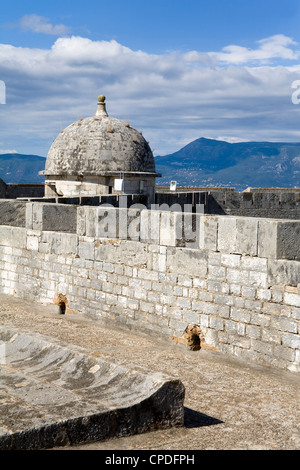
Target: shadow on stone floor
195,419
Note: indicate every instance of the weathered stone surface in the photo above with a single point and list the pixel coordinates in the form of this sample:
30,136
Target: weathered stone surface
121,223
213,419
57,394
12,212
150,226
283,272
160,286
208,232
99,145
187,261
246,235
267,238
12,236
60,243
100,155
288,236
278,239
51,217
227,233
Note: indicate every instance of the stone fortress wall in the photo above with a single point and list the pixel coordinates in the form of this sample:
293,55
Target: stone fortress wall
228,282
253,202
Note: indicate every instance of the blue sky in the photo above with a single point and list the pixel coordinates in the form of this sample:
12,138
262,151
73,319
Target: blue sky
177,70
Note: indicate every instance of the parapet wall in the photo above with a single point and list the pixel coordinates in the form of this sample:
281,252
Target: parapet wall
14,191
265,203
265,238
232,280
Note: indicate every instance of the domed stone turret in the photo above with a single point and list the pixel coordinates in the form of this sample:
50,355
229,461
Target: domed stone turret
99,155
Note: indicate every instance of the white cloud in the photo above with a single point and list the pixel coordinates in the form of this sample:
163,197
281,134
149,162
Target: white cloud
3,151
40,24
231,139
174,97
274,47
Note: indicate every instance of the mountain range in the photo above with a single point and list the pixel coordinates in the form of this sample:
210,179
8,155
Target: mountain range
208,162
203,162
21,169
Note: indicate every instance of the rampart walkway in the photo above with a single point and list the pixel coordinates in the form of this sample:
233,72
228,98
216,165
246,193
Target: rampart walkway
229,404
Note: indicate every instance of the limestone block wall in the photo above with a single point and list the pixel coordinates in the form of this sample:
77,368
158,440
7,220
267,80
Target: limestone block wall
271,203
234,280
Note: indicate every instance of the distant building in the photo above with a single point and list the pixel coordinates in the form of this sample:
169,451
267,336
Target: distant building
100,155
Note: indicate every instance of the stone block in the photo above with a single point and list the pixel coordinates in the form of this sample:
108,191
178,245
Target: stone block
187,262
118,401
81,221
292,299
240,315
13,236
227,234
211,338
217,273
267,238
230,261
86,221
191,317
214,259
254,264
162,262
291,340
61,243
28,215
86,249
128,224
134,224
258,279
107,222
118,223
12,212
168,229
208,232
59,218
216,323
190,228
279,239
51,217
37,216
262,347
253,331
32,243
237,276
283,272
288,236
286,354
246,235
150,226
125,252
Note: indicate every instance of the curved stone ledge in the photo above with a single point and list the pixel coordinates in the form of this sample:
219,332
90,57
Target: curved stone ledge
56,394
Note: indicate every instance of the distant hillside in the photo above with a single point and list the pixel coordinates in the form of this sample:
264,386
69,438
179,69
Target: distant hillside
203,162
208,162
17,168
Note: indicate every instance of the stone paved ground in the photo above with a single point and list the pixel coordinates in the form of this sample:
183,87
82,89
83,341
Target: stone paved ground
229,405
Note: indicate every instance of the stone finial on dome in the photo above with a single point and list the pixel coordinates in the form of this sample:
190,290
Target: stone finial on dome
101,107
